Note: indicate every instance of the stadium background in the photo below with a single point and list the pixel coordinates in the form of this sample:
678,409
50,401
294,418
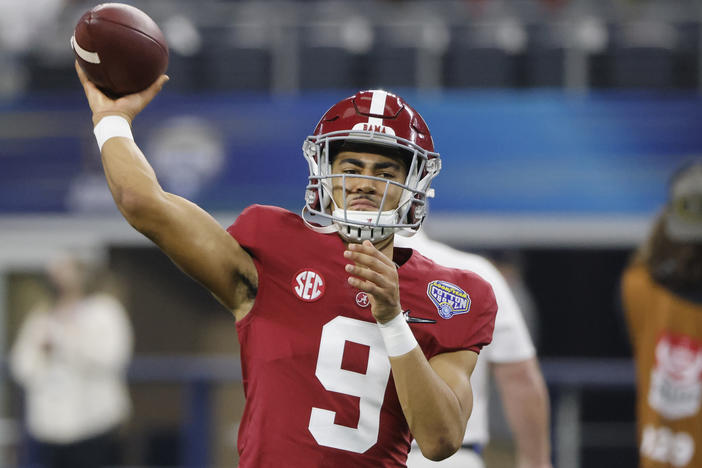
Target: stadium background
558,122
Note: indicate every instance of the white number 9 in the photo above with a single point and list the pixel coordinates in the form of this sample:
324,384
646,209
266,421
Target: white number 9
369,387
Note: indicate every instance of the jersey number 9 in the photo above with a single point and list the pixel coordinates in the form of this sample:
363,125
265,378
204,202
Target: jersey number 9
368,387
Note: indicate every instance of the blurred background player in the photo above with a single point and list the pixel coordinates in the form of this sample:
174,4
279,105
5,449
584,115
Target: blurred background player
662,294
511,358
70,357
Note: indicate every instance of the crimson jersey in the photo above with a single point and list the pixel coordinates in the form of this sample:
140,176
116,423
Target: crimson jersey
317,380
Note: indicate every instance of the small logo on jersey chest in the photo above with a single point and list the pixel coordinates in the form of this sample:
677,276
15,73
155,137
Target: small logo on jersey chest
448,298
362,299
308,285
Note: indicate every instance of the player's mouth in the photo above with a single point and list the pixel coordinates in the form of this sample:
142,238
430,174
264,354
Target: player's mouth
362,204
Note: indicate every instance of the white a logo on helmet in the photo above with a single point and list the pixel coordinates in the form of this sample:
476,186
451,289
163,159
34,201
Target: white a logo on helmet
375,124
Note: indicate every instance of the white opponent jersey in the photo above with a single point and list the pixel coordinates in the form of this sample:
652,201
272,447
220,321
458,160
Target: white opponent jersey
510,342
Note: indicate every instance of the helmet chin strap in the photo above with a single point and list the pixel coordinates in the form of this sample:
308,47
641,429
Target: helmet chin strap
360,232
357,233
320,224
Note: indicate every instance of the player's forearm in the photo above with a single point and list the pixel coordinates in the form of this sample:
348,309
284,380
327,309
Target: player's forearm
131,179
533,444
525,400
435,415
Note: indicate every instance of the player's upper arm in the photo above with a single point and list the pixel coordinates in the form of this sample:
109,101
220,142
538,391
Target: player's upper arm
196,242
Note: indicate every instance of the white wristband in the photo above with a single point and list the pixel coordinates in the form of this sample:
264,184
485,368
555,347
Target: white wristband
398,336
110,127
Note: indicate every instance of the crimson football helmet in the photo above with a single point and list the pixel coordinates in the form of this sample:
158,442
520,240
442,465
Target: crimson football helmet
381,122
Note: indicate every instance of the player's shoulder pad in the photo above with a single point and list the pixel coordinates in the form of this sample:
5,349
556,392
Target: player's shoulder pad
478,284
468,274
263,215
265,212
478,288
262,227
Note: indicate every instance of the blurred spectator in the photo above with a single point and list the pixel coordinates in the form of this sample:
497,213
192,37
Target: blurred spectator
662,295
23,25
70,357
511,358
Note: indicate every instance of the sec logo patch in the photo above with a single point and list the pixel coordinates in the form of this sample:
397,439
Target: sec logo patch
308,285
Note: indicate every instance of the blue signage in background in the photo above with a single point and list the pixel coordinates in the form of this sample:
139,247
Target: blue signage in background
551,153
504,153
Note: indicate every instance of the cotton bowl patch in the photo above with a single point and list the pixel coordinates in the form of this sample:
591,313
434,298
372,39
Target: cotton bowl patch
448,298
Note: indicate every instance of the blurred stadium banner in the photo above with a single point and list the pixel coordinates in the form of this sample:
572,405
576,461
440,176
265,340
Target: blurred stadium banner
519,168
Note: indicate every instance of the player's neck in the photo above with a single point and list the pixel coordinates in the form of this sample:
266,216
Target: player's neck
386,246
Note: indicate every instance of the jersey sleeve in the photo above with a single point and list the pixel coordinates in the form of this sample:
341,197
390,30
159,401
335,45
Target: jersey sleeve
466,331
246,226
484,308
260,229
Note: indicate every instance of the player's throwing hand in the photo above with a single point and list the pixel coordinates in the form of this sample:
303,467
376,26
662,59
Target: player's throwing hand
127,106
375,274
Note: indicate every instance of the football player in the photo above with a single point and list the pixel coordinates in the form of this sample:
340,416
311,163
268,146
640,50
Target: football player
349,347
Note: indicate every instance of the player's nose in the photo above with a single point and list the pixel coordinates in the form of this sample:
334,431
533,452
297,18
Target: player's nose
364,185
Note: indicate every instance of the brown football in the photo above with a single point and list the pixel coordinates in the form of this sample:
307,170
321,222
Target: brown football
120,48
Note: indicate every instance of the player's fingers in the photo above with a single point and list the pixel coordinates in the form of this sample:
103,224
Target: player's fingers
79,71
96,98
158,84
363,259
365,286
151,92
368,248
369,260
367,274
83,77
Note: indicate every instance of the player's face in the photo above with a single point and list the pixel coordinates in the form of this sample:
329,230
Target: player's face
366,194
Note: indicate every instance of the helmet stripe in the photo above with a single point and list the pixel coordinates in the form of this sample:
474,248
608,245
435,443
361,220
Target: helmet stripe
377,106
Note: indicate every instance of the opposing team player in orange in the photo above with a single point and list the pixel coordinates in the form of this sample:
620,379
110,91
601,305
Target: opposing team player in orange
662,292
349,347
